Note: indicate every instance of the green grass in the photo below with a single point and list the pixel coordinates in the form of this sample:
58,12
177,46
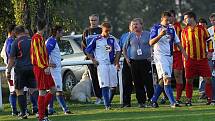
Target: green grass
90,112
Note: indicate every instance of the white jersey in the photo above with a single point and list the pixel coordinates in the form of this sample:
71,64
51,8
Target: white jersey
212,37
164,46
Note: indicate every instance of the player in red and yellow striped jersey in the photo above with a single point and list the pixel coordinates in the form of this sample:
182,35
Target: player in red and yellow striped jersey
177,59
39,59
194,40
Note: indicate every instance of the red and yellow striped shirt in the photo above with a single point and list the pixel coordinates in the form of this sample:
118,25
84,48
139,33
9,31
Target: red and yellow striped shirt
39,54
178,30
194,42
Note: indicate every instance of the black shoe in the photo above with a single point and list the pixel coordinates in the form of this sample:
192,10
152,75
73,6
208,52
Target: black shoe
23,116
163,101
154,105
15,113
142,105
178,102
126,105
203,96
175,105
68,112
34,111
188,103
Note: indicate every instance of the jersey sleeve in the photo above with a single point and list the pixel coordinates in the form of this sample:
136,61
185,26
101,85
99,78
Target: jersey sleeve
50,45
116,45
14,49
91,47
153,32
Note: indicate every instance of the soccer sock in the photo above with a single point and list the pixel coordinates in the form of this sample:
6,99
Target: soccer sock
12,100
169,93
179,89
189,90
112,93
33,98
50,105
41,107
62,102
22,101
48,97
157,93
105,94
208,90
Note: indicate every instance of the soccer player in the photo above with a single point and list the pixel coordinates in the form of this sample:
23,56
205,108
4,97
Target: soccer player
138,58
41,68
195,40
55,59
5,53
106,54
211,31
177,58
24,75
92,31
163,36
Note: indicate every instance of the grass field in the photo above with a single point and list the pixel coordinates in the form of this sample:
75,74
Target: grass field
90,112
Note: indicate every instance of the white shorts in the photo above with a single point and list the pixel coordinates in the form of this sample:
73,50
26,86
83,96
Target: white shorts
11,83
56,75
163,65
107,76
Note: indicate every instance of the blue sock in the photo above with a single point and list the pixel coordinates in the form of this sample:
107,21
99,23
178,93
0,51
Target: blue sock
112,92
62,102
157,93
33,98
105,94
169,93
50,106
12,100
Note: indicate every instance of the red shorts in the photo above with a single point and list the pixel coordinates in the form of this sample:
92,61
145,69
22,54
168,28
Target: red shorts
177,61
194,68
43,81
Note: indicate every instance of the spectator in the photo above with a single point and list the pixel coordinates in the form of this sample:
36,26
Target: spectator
92,31
138,58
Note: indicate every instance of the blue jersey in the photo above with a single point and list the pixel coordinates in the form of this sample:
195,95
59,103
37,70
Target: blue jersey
53,51
9,42
103,49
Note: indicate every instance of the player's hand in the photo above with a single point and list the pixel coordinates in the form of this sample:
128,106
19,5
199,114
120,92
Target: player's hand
162,33
8,75
128,62
209,55
117,65
47,71
52,65
95,62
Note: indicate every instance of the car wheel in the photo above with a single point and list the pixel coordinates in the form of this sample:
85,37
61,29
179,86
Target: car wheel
69,81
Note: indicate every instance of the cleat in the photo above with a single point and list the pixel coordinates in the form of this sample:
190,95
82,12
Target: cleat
154,105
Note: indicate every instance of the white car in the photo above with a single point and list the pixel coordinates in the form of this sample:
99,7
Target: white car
70,48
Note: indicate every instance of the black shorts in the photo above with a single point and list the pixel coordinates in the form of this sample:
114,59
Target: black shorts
24,78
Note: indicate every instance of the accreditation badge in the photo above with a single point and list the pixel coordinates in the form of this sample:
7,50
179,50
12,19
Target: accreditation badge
139,52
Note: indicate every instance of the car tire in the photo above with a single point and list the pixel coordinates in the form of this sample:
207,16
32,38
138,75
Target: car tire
69,81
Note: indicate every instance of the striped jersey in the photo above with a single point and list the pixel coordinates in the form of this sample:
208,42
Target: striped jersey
39,54
211,31
178,30
194,42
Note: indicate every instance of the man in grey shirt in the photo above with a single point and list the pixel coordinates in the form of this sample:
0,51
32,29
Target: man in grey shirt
139,61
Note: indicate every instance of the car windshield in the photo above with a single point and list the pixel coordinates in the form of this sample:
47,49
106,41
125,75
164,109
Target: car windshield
65,46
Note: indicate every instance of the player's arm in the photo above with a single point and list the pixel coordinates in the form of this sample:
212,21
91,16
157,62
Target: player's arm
125,53
182,50
157,38
89,50
84,43
118,55
11,61
50,45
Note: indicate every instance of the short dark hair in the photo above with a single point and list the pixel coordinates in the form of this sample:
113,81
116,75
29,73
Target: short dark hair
212,15
202,20
19,29
41,24
165,13
92,15
172,12
11,27
190,14
106,24
138,19
55,29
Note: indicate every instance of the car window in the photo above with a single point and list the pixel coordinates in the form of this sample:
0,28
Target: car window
78,41
65,47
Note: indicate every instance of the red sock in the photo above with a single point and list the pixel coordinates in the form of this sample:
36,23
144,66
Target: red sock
208,90
179,89
189,90
47,99
41,107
